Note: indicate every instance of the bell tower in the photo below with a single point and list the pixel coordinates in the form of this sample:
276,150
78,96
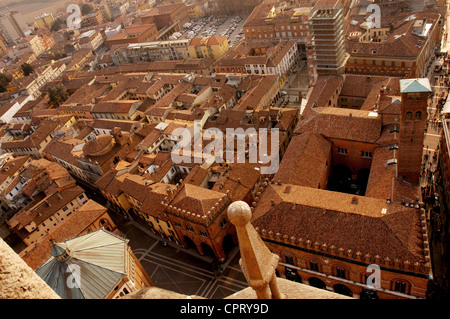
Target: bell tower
414,97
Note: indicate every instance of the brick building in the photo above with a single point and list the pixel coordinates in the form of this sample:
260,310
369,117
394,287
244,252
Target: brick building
344,168
414,105
167,15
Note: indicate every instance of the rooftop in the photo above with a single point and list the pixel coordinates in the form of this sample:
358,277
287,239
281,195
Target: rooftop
415,85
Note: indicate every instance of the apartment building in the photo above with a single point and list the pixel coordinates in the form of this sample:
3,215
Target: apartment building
404,44
209,47
259,57
91,40
153,51
134,34
327,54
278,21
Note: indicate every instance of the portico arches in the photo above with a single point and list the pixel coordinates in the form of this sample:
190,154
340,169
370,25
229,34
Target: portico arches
316,282
343,290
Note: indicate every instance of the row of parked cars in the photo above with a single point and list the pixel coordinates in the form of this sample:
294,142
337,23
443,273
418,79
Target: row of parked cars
232,26
208,26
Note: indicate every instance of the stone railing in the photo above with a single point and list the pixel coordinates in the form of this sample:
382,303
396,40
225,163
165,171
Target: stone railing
18,280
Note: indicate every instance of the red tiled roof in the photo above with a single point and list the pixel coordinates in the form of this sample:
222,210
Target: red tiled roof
334,218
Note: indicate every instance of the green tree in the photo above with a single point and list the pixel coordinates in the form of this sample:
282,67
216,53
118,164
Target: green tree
57,95
27,69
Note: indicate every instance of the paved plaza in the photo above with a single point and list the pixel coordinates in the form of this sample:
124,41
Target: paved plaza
184,271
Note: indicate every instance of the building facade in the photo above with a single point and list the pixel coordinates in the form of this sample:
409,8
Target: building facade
327,48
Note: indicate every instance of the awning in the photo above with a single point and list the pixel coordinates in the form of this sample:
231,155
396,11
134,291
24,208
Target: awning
446,108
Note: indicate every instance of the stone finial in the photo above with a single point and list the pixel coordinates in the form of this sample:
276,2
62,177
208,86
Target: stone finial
359,255
257,262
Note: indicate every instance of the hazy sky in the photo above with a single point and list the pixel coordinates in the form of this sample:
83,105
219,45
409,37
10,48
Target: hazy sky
12,2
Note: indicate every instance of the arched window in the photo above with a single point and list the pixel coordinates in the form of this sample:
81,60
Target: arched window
223,223
340,272
401,286
289,259
418,116
409,116
314,265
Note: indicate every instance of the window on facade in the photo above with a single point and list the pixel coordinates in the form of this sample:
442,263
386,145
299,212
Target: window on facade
341,272
342,151
365,154
289,259
189,228
409,116
414,96
223,223
418,116
400,286
313,265
204,234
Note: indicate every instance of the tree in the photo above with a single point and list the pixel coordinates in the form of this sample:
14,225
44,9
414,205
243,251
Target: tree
86,9
57,95
57,25
27,69
4,81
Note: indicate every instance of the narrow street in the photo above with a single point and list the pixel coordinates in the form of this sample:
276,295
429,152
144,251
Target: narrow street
436,215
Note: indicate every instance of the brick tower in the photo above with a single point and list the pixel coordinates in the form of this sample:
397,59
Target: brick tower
414,94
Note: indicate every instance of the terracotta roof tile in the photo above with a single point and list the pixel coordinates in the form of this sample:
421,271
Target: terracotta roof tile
343,220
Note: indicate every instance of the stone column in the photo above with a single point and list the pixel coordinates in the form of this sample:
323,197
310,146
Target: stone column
257,262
